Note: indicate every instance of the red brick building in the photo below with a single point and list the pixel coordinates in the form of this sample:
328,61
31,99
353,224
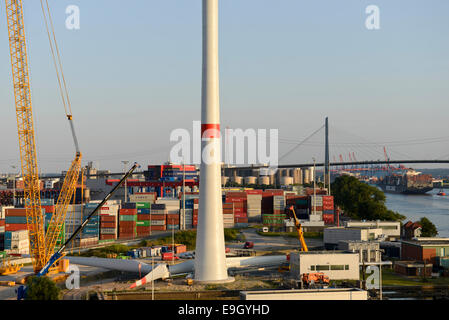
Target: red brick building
424,249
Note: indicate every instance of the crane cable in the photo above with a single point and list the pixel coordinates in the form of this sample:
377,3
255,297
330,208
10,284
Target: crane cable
58,68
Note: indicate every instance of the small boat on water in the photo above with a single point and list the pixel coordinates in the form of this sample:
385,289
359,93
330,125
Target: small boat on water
441,193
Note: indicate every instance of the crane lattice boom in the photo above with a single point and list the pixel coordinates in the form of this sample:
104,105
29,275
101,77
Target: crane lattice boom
27,144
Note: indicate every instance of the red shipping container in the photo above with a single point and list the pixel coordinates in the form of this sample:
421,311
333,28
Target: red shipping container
143,217
108,225
129,212
157,228
15,226
108,218
228,211
51,209
260,191
15,212
108,237
228,205
241,220
328,207
2,223
155,217
235,200
328,218
240,215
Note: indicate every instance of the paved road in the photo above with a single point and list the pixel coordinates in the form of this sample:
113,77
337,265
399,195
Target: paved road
265,243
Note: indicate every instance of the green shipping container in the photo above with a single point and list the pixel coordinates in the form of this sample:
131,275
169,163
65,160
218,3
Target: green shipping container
143,223
128,218
142,205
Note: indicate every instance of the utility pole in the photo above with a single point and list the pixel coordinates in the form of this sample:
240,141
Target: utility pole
327,172
125,162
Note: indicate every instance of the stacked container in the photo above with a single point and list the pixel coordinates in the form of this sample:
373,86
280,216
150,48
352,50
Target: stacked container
143,218
254,205
239,201
17,242
16,219
328,210
195,213
228,215
74,218
190,203
316,208
158,217
62,235
3,211
128,221
109,221
92,228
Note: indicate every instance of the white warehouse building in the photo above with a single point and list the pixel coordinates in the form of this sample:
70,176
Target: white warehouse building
337,265
391,229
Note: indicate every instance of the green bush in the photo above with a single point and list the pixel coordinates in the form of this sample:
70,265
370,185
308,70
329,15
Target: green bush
41,288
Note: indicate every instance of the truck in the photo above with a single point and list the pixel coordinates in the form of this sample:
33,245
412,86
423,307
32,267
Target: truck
315,278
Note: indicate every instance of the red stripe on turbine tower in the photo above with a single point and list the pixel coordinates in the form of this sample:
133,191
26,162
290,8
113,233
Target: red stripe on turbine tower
209,131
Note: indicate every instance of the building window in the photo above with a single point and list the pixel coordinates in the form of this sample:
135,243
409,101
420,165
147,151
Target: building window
312,268
322,268
347,267
338,267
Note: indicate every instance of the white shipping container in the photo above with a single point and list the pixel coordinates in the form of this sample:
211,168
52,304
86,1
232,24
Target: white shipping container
19,235
158,222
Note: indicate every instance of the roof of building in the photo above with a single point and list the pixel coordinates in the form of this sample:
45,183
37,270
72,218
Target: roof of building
429,242
328,252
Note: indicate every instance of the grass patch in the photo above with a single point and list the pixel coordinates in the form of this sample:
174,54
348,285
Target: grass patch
390,278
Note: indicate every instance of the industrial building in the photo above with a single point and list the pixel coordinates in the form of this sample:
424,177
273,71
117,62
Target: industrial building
391,229
333,235
337,265
425,249
369,251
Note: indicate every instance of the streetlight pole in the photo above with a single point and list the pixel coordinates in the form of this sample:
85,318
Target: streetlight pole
314,187
125,162
14,187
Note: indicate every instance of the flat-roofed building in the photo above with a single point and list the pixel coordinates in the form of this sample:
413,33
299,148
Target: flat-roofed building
333,235
391,229
424,249
338,265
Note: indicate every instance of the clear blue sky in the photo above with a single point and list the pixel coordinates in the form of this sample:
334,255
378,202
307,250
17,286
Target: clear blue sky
134,70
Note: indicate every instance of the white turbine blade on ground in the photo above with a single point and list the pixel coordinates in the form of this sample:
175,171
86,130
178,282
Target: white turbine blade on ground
159,272
113,264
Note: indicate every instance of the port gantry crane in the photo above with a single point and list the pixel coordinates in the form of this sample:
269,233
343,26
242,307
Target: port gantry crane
42,244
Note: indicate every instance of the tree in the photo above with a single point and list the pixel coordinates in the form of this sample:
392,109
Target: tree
361,201
41,288
428,228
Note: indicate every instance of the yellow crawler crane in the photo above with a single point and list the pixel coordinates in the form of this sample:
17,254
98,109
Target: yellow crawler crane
27,144
42,245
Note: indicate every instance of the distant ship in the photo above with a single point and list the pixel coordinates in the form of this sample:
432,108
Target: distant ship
412,182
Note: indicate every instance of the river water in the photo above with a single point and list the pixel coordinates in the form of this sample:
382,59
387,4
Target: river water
433,207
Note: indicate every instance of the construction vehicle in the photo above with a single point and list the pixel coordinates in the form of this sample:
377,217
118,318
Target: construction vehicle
299,230
314,279
8,268
42,242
